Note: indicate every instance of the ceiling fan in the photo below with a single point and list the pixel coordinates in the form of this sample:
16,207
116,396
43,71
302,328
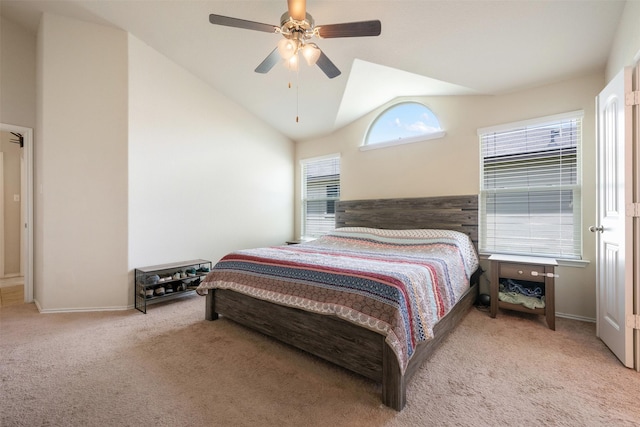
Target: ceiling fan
298,27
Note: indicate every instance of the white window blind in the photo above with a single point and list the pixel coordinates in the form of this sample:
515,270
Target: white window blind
531,188
320,191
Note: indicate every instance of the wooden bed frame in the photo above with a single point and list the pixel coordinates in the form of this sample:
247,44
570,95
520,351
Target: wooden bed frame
348,345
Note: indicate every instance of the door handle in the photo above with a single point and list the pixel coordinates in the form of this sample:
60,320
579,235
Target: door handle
593,229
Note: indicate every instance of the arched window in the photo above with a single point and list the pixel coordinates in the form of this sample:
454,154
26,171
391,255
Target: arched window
401,124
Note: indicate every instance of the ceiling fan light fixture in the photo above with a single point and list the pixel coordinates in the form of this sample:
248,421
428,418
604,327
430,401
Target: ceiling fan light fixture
292,63
311,53
298,27
287,48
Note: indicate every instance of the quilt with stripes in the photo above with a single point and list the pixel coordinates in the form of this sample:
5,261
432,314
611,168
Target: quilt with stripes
399,283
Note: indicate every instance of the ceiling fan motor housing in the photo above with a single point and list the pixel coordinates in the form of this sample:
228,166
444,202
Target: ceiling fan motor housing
299,30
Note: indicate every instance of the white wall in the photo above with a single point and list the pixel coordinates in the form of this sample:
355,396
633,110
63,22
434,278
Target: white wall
627,41
81,164
450,165
205,176
17,75
137,162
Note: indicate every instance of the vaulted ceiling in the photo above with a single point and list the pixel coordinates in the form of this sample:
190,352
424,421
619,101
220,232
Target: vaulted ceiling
437,47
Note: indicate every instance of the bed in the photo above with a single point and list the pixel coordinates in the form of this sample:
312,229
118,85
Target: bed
393,321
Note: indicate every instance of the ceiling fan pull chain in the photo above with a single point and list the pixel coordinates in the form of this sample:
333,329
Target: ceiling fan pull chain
297,93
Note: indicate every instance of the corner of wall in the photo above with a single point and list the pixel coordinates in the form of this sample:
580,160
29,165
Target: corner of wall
626,45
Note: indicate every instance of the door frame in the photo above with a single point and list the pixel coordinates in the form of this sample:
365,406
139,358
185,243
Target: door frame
27,197
636,198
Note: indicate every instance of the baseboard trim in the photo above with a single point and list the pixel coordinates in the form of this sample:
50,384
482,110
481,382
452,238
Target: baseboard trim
80,310
574,317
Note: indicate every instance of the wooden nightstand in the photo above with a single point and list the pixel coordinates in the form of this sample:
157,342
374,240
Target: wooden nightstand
528,270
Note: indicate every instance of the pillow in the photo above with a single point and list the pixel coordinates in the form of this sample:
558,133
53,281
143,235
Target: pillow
423,233
415,236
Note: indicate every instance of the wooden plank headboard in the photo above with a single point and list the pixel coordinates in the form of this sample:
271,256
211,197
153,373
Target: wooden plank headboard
458,213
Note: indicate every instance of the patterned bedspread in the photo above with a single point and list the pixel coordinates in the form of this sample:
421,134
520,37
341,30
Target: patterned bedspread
397,282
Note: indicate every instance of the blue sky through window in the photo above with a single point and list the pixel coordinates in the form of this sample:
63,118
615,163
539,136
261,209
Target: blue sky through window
402,121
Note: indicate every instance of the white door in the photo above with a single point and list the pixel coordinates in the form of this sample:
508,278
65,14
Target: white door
614,228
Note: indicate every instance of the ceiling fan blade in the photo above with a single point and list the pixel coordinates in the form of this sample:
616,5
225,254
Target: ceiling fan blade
297,9
327,66
268,63
350,29
227,21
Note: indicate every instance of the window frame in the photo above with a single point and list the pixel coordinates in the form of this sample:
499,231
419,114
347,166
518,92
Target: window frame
366,145
528,160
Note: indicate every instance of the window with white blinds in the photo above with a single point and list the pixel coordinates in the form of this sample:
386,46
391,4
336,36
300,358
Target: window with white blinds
320,192
530,195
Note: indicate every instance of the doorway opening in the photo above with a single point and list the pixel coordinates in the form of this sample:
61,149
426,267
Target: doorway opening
17,268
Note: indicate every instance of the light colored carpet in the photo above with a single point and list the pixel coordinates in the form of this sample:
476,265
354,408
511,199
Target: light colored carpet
172,368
